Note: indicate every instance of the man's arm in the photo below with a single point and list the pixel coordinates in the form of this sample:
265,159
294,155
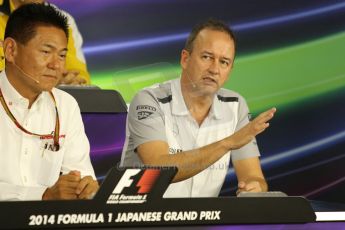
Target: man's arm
76,68
249,175
189,163
77,154
246,159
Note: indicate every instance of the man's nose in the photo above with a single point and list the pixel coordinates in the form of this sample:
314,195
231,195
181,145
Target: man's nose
55,62
214,67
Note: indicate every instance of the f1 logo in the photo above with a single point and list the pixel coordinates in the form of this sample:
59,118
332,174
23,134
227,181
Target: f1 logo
125,180
144,184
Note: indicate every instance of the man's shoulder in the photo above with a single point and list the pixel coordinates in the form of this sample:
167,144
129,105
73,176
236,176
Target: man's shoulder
63,97
160,92
227,95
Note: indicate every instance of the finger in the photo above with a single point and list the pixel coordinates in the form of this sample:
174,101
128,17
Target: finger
265,116
64,191
82,185
250,188
70,178
67,191
261,127
241,184
70,197
65,183
261,122
269,114
88,185
68,78
89,190
63,196
253,186
74,172
88,193
79,80
66,195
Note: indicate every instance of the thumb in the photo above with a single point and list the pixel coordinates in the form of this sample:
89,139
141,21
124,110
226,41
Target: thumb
75,173
241,184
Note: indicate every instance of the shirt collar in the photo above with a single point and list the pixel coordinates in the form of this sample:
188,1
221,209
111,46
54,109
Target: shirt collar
12,95
179,106
216,109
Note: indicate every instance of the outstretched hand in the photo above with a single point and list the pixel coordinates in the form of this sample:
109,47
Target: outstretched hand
253,128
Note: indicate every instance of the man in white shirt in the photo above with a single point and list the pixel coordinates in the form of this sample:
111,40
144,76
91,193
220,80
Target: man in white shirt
195,125
44,151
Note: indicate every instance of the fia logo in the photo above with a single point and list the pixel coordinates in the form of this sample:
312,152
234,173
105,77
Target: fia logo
128,190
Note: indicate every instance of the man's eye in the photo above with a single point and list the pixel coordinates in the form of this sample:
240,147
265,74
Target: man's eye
225,63
206,57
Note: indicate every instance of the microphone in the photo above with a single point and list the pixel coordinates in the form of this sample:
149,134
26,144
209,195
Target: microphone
190,80
25,74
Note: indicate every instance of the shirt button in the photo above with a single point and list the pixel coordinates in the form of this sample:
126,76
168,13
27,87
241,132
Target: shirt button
26,151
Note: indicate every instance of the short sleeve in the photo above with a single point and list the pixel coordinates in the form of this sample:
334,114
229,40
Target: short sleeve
251,149
145,120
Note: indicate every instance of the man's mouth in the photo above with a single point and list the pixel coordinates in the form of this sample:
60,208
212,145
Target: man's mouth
208,79
50,76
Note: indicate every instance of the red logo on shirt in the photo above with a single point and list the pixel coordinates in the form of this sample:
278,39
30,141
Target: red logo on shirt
48,137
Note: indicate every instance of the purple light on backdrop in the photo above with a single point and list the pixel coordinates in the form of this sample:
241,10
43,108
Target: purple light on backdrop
106,133
115,46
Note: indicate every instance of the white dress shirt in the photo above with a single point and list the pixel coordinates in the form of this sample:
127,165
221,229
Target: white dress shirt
26,167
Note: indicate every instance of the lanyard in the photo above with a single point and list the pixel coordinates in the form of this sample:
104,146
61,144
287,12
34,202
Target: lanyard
55,137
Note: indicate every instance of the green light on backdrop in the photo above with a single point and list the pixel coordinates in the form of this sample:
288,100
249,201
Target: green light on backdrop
277,77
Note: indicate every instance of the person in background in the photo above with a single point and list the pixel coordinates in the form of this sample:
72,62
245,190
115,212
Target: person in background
44,151
76,72
196,125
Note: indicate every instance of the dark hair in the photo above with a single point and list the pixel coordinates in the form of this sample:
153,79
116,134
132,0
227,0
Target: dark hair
212,24
22,23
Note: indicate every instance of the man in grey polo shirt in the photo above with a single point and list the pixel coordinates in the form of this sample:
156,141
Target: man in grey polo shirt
194,124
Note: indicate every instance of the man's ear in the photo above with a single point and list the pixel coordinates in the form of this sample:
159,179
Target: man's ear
184,58
10,49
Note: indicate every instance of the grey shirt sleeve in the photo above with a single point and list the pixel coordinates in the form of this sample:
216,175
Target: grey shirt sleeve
250,149
145,120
